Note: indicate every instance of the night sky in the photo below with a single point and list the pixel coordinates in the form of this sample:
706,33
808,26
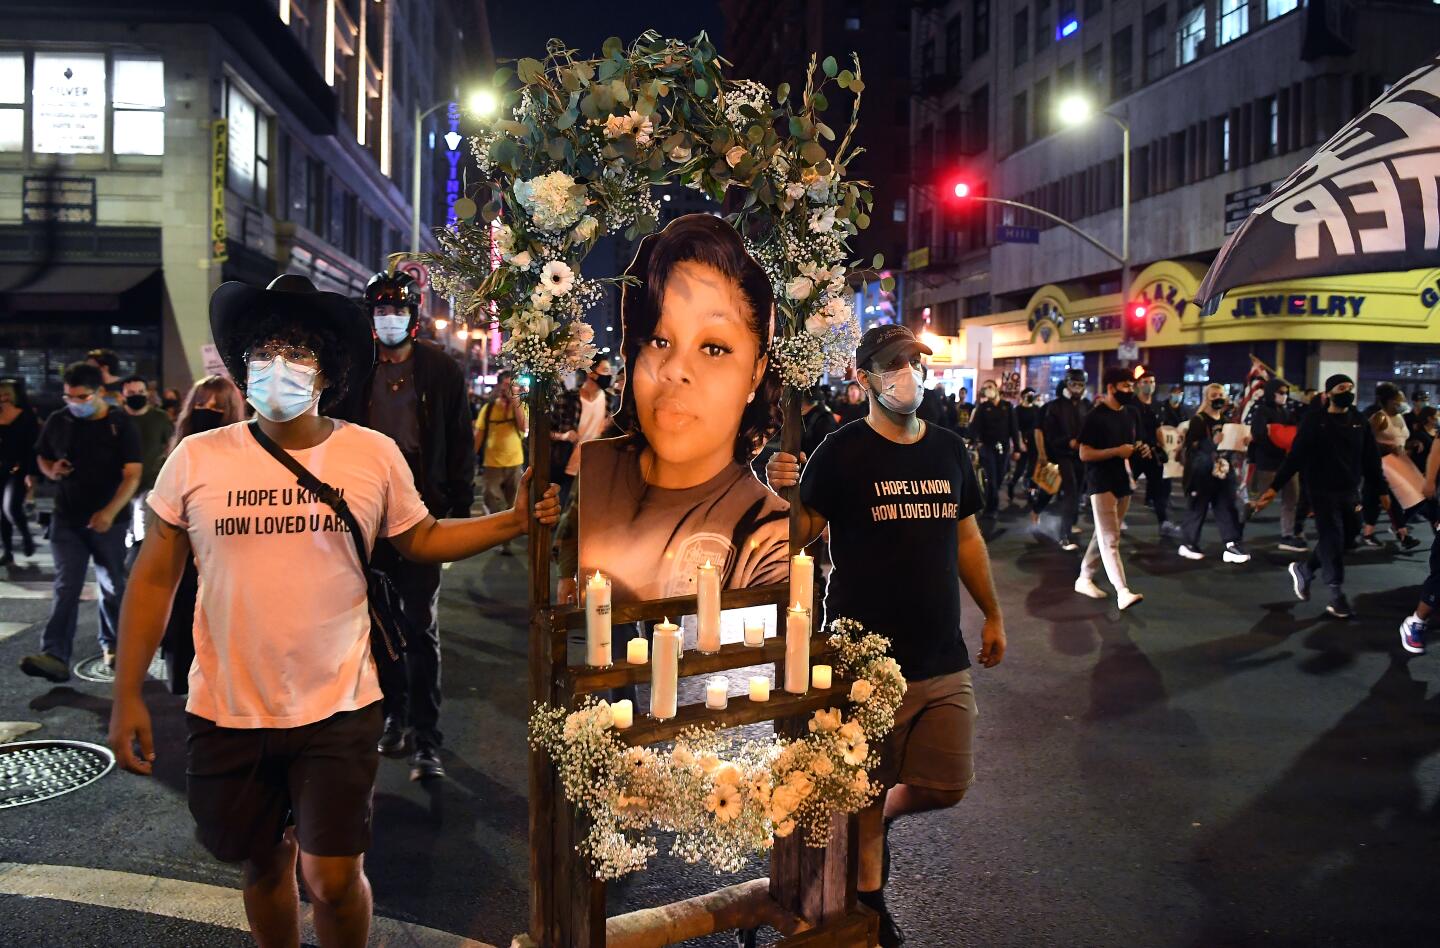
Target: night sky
521,27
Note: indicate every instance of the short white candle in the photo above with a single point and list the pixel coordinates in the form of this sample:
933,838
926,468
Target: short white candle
797,650
802,579
664,669
623,711
597,621
717,693
820,676
759,688
755,632
637,651
707,608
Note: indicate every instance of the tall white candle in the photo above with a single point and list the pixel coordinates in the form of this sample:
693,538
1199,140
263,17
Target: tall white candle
755,632
664,669
802,579
759,688
797,650
707,610
623,711
597,621
717,691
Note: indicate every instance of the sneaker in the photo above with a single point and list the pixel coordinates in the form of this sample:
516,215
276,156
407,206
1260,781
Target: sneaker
1340,607
1069,546
1292,545
45,666
1371,541
1190,554
1171,530
1126,598
1408,542
1087,587
1235,553
425,764
395,739
1301,577
1412,635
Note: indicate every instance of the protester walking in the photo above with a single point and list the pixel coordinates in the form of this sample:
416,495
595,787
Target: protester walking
927,762
1151,466
1027,420
19,430
93,453
1174,412
1273,410
416,395
1211,481
997,436
109,365
155,430
576,417
1108,438
1415,628
816,422
1061,431
1334,449
284,710
500,432
1387,421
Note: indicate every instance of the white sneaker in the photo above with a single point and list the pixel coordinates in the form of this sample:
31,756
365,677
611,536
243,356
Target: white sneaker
1190,554
1087,587
1235,554
1127,598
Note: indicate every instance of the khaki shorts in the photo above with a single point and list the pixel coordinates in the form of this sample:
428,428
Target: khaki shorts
932,745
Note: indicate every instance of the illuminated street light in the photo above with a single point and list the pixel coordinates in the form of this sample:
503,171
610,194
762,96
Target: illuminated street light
441,323
1074,109
962,189
462,334
484,103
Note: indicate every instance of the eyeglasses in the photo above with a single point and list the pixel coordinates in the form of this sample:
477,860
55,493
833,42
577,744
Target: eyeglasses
295,355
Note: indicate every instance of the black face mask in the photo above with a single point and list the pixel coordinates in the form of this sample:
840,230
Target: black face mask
1217,403
205,419
1342,399
602,381
1125,398
169,404
137,402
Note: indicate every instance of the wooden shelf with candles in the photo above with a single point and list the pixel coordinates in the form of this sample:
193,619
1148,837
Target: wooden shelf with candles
740,711
582,679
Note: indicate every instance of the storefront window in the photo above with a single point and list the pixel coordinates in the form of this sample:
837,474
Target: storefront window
68,103
1197,369
248,160
12,101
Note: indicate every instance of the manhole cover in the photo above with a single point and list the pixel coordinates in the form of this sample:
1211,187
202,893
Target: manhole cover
31,771
94,669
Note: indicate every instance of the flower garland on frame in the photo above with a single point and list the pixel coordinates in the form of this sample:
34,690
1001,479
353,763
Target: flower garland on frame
725,800
587,141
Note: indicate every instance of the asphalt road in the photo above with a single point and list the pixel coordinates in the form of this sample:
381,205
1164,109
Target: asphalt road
1220,765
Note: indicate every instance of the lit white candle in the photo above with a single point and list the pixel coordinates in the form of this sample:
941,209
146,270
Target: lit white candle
707,608
717,693
802,579
664,669
597,621
820,676
759,688
797,650
623,711
637,651
755,632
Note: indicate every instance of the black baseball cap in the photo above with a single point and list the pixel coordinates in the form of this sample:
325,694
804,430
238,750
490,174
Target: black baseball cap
884,342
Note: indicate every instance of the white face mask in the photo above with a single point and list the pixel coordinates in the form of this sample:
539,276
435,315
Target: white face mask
280,391
899,390
391,330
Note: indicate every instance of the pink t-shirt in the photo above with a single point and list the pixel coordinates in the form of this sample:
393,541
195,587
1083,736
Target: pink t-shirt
282,630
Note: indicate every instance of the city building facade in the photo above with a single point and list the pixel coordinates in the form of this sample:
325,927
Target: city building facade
149,151
1222,99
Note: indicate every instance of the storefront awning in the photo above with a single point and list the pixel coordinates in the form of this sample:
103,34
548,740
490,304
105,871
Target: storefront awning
68,285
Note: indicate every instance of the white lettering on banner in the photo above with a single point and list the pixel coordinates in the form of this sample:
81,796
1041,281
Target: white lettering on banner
933,510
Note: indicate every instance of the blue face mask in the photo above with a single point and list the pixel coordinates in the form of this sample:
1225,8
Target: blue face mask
280,391
83,409
393,329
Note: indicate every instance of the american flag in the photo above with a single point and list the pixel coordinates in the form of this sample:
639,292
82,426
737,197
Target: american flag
1254,388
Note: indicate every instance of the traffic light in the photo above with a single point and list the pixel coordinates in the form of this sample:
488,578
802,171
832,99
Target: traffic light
1136,313
961,189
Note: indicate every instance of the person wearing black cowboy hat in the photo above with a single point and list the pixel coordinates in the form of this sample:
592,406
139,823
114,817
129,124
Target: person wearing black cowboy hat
284,706
415,393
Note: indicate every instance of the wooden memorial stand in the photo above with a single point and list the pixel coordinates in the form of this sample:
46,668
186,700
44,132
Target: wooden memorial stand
810,894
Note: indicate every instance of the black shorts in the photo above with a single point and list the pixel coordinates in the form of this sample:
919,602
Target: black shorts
246,785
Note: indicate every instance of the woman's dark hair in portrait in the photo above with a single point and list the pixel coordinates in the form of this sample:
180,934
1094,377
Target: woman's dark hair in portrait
701,238
334,356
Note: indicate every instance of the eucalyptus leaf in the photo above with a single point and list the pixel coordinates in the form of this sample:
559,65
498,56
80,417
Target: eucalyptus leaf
609,69
501,76
877,261
863,221
702,88
857,87
620,91
612,47
819,103
782,92
826,132
518,129
755,134
845,78
887,284
831,67
797,130
567,119
812,153
529,70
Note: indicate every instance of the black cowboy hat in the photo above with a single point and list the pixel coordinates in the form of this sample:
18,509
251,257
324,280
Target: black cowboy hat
235,307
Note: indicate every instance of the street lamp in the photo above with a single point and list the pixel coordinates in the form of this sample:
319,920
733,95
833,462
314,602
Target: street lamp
1075,110
483,103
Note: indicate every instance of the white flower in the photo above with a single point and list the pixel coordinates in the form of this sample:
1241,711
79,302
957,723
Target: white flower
825,720
815,324
557,277
781,165
799,288
680,154
726,773
861,691
852,732
821,221
855,752
801,782
794,190
724,802
642,127
734,156
521,259
582,331
709,763
586,228
553,200
540,298
682,755
822,765
617,125
838,308
504,239
861,783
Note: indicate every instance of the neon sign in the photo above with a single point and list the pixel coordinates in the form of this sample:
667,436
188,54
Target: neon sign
453,140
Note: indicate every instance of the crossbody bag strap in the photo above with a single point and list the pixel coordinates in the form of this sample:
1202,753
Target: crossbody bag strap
327,494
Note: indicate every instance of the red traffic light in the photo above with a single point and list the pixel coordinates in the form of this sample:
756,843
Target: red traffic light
1137,311
962,189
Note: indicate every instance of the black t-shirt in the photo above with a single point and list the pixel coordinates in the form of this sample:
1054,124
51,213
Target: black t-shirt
893,510
98,450
1106,428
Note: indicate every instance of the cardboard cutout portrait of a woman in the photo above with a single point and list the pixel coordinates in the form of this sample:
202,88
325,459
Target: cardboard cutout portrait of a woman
700,400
